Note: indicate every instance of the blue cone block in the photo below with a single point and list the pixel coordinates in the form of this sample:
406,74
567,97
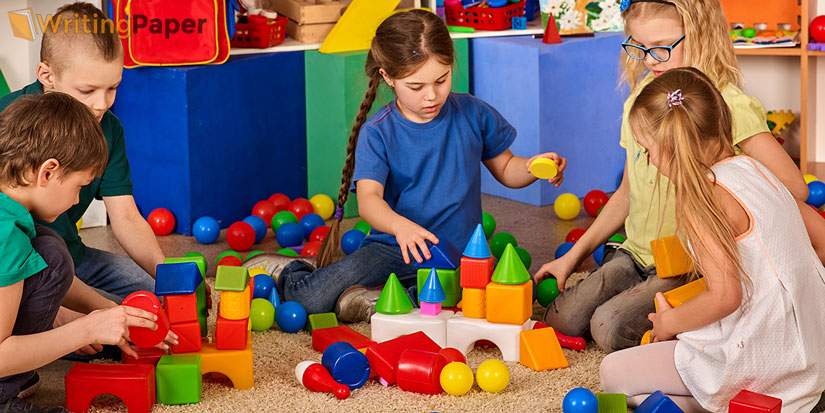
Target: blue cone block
658,403
445,256
177,279
432,292
346,364
273,297
478,247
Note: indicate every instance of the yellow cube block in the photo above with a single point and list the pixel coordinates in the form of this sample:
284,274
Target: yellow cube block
474,303
235,305
670,257
681,295
509,304
234,364
540,350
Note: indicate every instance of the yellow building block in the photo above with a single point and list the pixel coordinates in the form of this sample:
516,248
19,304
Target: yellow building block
646,338
356,27
236,365
681,295
509,304
670,257
540,350
474,303
234,305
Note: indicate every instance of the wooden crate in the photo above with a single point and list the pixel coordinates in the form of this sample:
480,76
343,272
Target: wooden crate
309,22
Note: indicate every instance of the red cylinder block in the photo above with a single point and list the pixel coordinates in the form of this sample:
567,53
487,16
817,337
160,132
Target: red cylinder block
420,371
142,336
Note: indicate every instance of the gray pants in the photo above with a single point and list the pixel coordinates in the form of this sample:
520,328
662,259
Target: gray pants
42,295
612,303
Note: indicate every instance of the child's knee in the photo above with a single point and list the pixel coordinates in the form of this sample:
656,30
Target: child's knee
53,249
609,329
567,321
611,374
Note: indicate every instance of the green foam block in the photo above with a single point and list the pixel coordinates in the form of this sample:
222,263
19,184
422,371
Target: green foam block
450,282
178,379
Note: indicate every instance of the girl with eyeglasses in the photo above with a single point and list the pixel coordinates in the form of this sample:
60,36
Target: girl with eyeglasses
612,303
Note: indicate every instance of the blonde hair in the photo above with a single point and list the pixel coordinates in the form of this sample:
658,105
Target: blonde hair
707,45
688,138
78,26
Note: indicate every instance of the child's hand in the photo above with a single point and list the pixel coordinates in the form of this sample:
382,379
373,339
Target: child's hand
660,333
412,237
560,268
111,326
171,339
561,162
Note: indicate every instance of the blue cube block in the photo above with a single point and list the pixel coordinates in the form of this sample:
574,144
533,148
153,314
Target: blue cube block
658,403
561,98
519,23
214,140
177,279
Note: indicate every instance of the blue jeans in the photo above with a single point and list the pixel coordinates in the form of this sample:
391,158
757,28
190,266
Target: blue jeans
318,290
113,275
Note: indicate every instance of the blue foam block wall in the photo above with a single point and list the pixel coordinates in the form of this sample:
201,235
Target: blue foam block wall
561,98
214,140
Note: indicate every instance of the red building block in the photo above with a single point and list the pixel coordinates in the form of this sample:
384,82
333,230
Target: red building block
181,308
231,334
383,357
189,337
323,337
750,402
476,273
142,336
145,356
420,371
132,383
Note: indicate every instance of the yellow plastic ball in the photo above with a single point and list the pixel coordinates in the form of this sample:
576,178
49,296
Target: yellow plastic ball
323,205
809,178
79,223
492,376
257,271
456,378
567,206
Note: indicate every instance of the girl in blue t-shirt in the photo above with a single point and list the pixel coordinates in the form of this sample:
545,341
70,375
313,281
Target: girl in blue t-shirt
416,170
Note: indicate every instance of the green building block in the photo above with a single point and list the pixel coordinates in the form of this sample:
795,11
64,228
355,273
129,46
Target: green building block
449,282
335,86
178,379
231,278
4,87
612,403
200,292
323,320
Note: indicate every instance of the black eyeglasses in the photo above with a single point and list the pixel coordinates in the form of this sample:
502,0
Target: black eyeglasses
660,53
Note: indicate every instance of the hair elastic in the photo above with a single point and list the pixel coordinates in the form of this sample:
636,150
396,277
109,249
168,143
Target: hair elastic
415,52
675,98
626,3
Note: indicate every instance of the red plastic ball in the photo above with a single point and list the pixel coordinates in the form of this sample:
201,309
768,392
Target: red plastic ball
266,210
300,207
818,28
318,234
280,201
240,236
311,248
231,261
574,235
595,200
162,221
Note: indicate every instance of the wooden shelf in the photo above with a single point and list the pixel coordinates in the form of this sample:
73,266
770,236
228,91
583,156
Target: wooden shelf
768,51
816,53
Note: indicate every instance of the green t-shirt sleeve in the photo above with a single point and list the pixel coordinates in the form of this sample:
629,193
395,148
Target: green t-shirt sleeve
19,259
117,178
747,112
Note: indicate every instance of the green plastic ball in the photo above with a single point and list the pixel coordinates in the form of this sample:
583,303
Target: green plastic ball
618,238
363,227
488,223
193,254
749,33
225,253
281,218
252,254
287,251
261,314
547,291
500,241
525,257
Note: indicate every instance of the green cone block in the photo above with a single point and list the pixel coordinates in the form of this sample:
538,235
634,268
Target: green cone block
510,270
393,299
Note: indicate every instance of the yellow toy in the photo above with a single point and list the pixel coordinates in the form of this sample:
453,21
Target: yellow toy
474,303
456,378
509,304
257,271
646,338
323,205
809,178
492,376
544,168
681,295
780,120
234,364
540,350
356,27
567,206
670,257
235,305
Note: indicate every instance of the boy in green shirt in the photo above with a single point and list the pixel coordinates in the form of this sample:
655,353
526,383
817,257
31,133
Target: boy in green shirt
50,147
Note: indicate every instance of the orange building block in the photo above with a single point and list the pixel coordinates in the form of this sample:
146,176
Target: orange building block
681,295
231,334
540,350
181,308
236,365
474,303
476,273
509,304
235,305
670,257
646,338
189,337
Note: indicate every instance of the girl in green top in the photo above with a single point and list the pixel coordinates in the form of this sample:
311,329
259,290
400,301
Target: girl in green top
614,301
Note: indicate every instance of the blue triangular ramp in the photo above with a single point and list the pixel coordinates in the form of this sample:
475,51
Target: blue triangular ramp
445,256
658,403
478,247
432,291
177,279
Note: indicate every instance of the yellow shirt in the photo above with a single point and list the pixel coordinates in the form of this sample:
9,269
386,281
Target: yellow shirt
651,212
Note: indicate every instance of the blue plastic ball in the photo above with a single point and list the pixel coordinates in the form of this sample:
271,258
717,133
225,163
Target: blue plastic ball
309,222
206,230
580,400
263,285
598,255
291,316
289,235
816,194
259,225
563,248
351,241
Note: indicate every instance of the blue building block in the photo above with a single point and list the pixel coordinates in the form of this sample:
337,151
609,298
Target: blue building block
561,98
658,403
445,256
432,291
177,279
519,23
478,247
346,364
215,139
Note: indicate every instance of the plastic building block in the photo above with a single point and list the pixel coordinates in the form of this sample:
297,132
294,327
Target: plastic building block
316,377
477,247
540,350
573,343
175,279
445,256
510,269
385,326
463,332
200,292
231,334
235,305
273,298
234,364
658,403
551,32
356,27
432,291
681,295
179,379
189,337
781,119
519,23
645,338
477,273
670,257
393,298
420,371
612,402
323,320
324,337
231,278
749,402
450,283
429,309
145,356
200,260
510,304
181,308
383,357
132,383
474,303
142,336
346,364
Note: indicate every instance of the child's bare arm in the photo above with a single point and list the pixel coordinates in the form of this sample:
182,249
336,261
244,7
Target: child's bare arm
84,299
133,232
764,148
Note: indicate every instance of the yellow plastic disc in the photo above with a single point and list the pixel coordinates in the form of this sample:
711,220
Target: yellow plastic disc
544,168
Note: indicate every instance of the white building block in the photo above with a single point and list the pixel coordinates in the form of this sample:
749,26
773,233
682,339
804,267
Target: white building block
387,327
463,332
